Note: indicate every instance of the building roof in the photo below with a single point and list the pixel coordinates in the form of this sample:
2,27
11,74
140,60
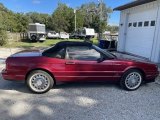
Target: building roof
133,4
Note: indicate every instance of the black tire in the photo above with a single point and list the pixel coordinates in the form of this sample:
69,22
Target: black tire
34,38
41,41
123,81
50,81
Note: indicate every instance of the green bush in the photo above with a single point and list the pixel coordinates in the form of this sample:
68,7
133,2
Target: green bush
3,37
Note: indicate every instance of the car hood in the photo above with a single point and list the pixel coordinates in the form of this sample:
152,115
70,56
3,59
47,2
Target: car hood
126,57
27,53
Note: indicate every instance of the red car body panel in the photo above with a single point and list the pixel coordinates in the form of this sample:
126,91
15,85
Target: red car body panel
19,65
63,70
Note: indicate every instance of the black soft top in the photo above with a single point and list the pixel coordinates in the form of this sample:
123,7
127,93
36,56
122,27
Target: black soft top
71,43
64,44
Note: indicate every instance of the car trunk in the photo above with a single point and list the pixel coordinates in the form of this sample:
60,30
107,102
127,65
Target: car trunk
27,53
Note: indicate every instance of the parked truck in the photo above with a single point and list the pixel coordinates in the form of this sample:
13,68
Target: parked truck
63,35
52,35
87,33
84,33
37,32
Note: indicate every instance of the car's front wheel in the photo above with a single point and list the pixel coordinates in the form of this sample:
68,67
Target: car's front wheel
131,80
39,81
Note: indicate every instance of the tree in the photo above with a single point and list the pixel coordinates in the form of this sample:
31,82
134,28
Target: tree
91,15
35,17
3,37
22,22
7,18
63,18
113,29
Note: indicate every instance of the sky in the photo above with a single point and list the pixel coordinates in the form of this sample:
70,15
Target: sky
48,6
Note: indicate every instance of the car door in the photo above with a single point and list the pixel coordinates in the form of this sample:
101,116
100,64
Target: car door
82,65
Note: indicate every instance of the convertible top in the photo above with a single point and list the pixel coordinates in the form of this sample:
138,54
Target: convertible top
64,44
72,43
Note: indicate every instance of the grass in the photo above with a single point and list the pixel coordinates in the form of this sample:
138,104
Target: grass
47,43
95,41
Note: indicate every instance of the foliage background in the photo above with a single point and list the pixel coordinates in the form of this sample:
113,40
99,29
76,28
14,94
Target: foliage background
62,18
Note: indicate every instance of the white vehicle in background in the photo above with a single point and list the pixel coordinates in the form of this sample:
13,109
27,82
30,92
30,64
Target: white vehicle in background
52,35
64,35
37,32
87,33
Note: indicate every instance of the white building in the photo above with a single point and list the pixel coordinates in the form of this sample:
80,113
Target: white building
139,32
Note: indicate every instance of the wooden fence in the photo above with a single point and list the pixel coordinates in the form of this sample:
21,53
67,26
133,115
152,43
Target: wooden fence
17,36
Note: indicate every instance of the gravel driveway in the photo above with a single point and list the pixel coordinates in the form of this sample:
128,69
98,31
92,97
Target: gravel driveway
79,101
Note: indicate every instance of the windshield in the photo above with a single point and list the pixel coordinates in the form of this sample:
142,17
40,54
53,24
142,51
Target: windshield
104,52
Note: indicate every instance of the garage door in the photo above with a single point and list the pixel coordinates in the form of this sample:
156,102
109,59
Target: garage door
140,33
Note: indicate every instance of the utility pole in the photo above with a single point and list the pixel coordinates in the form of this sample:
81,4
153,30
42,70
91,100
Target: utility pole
100,17
75,18
101,9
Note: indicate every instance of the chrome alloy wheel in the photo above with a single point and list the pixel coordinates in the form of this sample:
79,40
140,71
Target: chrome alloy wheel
39,82
133,80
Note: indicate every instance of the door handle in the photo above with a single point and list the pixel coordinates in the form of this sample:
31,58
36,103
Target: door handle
70,63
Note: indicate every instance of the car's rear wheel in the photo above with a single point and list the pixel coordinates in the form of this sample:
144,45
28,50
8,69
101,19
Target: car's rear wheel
39,81
131,80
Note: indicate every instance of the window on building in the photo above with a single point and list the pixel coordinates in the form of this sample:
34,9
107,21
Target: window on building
146,23
140,24
135,24
153,23
130,24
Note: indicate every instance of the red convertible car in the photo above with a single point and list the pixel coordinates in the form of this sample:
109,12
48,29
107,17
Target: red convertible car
76,61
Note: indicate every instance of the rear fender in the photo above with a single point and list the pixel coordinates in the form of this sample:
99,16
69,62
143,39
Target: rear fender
39,68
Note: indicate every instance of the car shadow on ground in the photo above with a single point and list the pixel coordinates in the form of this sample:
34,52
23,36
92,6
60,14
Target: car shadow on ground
74,101
22,87
16,86
86,85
